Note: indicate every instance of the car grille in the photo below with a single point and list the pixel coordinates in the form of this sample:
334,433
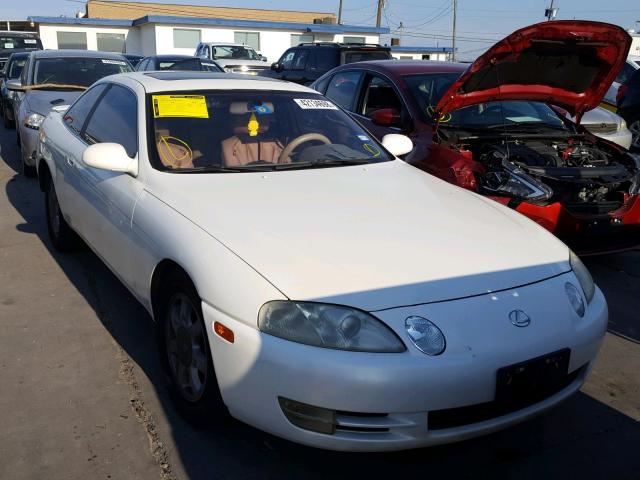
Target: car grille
601,128
456,417
245,69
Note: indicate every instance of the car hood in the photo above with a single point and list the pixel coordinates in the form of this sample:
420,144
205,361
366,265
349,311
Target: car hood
373,237
42,101
568,63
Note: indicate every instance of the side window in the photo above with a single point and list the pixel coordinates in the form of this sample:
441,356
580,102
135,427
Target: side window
206,51
78,113
300,60
343,87
321,84
287,59
115,120
379,94
326,59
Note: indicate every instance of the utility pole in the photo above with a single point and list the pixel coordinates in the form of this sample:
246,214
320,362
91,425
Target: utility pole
551,12
340,13
453,35
379,14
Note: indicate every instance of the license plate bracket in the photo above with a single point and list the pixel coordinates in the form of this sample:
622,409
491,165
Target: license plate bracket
527,382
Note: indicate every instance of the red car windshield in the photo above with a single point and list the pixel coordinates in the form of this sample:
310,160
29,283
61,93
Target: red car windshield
427,90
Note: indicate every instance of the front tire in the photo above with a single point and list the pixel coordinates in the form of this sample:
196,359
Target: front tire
62,236
27,170
186,355
8,123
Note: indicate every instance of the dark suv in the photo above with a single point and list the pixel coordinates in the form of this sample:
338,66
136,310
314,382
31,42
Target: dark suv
629,106
12,42
309,61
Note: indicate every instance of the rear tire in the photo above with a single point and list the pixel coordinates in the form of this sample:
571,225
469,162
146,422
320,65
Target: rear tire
185,353
62,236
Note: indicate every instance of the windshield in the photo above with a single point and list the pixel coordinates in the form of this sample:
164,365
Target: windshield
180,64
25,43
15,68
428,89
222,131
234,52
76,71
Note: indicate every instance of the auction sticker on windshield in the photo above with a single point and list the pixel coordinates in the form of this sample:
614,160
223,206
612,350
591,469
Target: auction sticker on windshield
312,104
188,106
113,62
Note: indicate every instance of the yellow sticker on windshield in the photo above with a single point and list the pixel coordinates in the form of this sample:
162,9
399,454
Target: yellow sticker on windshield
186,106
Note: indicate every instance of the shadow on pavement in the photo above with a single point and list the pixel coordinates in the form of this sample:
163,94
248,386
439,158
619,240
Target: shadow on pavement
581,437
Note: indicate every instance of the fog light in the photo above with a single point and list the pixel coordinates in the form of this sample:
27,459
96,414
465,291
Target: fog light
575,299
308,417
425,335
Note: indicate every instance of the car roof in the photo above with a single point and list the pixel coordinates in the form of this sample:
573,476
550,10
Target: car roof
75,54
226,44
183,80
410,67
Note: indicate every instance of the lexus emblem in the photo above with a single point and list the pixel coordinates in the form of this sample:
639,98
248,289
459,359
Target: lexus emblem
519,318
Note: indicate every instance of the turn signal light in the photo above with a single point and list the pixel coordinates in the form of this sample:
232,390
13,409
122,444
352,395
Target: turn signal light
223,331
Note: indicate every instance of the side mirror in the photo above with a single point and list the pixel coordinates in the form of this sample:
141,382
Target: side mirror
264,59
386,117
110,156
397,144
60,108
276,67
15,85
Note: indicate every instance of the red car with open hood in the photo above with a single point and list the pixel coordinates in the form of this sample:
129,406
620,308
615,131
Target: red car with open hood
497,127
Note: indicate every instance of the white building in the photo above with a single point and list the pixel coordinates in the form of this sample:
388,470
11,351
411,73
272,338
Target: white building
421,53
635,45
150,35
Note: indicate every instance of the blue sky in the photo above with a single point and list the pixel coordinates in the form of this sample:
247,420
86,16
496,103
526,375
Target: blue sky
426,22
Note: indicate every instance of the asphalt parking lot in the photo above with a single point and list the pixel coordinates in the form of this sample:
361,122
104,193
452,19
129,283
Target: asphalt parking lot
82,395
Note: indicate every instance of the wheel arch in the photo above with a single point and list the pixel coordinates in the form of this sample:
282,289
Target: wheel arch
161,272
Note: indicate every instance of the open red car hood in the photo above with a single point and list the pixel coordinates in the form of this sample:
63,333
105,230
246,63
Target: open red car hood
569,63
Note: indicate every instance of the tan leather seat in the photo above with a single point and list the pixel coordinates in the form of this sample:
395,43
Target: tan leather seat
243,149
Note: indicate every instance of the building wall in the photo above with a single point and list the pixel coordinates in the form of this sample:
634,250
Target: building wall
635,45
273,43
418,56
49,38
133,10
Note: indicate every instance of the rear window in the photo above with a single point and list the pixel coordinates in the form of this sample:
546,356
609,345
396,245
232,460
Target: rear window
186,64
352,56
14,43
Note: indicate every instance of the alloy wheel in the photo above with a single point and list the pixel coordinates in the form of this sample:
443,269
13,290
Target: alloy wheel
185,346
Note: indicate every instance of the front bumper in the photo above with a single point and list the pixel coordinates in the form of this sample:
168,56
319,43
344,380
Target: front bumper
383,401
587,234
29,144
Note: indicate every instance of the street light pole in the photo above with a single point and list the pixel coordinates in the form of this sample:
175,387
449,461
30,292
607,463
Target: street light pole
379,14
340,13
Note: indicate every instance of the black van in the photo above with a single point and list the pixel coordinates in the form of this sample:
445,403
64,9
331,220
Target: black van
307,62
12,42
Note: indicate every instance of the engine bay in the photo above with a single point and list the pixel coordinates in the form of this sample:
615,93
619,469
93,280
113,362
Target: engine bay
585,176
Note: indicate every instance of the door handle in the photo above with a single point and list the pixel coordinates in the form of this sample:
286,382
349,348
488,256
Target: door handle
70,162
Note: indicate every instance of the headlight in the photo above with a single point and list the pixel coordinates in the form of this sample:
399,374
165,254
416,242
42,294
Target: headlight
34,121
244,68
623,124
583,275
327,326
516,184
425,335
575,299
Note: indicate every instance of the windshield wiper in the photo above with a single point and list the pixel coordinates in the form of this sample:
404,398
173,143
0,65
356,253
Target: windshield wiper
526,125
210,169
322,163
54,86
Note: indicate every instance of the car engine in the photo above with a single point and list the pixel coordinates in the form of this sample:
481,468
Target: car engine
585,177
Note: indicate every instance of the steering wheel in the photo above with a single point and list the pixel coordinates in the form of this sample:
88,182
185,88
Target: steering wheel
296,142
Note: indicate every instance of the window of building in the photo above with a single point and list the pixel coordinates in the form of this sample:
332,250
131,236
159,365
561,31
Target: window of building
252,39
354,40
111,42
185,38
72,40
426,56
406,57
304,38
